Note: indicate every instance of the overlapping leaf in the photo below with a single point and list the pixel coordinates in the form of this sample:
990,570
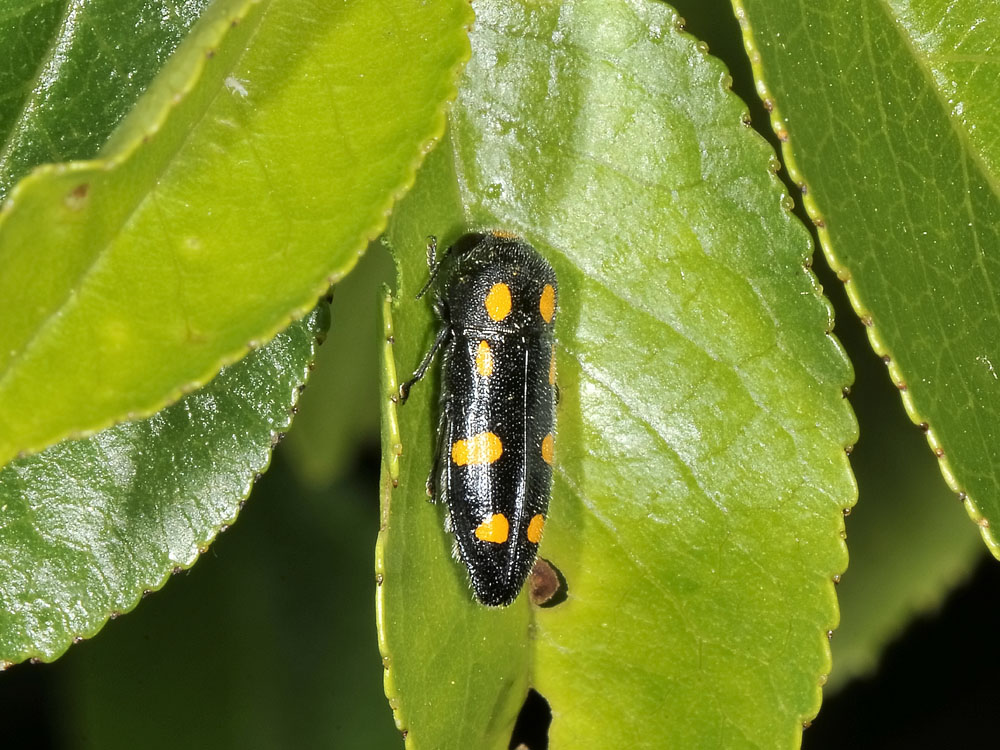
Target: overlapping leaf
275,624
72,71
909,542
888,110
87,526
700,472
249,176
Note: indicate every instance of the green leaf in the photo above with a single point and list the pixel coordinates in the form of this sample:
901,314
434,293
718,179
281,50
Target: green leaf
87,527
73,71
909,547
267,643
249,176
456,673
700,473
336,417
888,110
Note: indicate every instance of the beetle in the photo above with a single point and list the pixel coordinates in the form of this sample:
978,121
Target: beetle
496,298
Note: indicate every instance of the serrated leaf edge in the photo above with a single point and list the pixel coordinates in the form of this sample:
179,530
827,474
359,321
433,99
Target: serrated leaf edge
392,448
276,434
201,56
804,720
878,344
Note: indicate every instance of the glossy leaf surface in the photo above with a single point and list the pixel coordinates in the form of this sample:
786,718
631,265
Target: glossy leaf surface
87,526
700,474
72,71
251,174
889,112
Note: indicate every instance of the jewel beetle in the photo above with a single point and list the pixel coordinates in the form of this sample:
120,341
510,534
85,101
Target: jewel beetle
496,298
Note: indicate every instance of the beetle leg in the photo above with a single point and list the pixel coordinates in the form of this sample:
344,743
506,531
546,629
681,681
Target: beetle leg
404,388
443,441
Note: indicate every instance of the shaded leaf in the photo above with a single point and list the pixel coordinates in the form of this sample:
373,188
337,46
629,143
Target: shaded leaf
700,474
908,546
267,643
337,417
894,137
74,70
87,526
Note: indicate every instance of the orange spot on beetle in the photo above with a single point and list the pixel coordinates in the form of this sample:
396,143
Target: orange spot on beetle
548,447
547,303
497,302
535,527
494,529
481,448
484,359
